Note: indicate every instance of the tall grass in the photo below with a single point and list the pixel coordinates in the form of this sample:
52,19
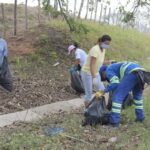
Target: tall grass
127,44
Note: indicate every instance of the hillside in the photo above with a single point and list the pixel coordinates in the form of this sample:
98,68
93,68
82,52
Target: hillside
33,54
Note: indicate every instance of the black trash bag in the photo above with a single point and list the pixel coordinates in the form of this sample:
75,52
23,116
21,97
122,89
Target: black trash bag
76,81
96,113
128,101
144,77
147,77
5,76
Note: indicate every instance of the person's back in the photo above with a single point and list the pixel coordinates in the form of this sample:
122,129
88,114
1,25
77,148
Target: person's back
81,54
122,69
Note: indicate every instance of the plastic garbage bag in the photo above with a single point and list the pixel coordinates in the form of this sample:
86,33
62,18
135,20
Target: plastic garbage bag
76,81
53,131
147,77
96,113
5,76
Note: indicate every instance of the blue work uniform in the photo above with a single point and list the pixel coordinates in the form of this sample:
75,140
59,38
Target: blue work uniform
3,50
123,79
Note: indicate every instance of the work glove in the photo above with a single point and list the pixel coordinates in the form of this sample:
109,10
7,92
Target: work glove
99,94
95,82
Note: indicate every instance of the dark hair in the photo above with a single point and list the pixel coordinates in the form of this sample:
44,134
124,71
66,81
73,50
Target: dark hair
104,38
76,44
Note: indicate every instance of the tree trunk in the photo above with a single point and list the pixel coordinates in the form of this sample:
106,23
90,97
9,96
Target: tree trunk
75,6
100,17
3,18
105,10
15,18
49,14
67,6
96,6
65,16
91,13
26,15
80,10
87,10
109,15
56,4
39,12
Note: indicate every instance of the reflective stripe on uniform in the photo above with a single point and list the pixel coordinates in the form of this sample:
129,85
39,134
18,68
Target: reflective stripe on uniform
114,79
138,102
123,69
116,104
116,110
138,107
138,68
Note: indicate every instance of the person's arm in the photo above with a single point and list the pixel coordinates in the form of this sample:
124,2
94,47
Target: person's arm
93,66
114,81
77,62
106,62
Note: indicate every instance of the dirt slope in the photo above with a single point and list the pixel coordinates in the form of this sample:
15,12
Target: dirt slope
36,80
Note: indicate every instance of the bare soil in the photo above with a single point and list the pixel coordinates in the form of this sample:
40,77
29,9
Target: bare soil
38,82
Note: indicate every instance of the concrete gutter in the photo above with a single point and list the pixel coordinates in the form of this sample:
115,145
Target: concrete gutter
39,112
36,113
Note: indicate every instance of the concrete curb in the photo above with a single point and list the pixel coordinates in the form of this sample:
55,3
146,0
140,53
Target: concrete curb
39,112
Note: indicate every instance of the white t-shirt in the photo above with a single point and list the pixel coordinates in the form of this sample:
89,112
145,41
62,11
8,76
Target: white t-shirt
80,54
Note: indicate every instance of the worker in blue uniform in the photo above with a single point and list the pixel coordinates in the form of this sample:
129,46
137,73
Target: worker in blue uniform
123,78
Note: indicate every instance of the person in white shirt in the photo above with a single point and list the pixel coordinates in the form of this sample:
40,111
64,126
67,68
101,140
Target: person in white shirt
80,55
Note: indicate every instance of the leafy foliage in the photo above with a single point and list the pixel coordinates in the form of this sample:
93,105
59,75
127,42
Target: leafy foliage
129,16
73,25
49,9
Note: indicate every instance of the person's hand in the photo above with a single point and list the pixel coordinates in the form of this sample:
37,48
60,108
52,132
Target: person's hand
95,82
113,61
99,94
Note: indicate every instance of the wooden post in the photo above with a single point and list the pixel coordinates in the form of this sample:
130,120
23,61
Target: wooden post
101,11
15,18
26,15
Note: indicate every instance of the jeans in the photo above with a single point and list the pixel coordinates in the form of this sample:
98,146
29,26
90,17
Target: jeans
87,80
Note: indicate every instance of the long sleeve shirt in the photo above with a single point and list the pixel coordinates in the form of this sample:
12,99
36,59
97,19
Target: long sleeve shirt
115,73
3,50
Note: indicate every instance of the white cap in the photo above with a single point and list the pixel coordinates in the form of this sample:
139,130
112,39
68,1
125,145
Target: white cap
70,48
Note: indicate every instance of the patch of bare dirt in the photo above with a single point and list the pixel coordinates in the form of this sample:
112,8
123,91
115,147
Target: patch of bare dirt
38,84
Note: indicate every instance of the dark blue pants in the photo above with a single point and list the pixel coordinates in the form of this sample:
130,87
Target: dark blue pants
127,84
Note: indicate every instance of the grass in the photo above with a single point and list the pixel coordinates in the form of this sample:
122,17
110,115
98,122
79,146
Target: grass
31,136
126,44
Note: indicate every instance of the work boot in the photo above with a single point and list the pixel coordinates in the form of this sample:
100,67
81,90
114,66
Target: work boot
139,120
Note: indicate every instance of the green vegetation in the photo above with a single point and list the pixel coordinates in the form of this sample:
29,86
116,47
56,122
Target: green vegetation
126,45
130,136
